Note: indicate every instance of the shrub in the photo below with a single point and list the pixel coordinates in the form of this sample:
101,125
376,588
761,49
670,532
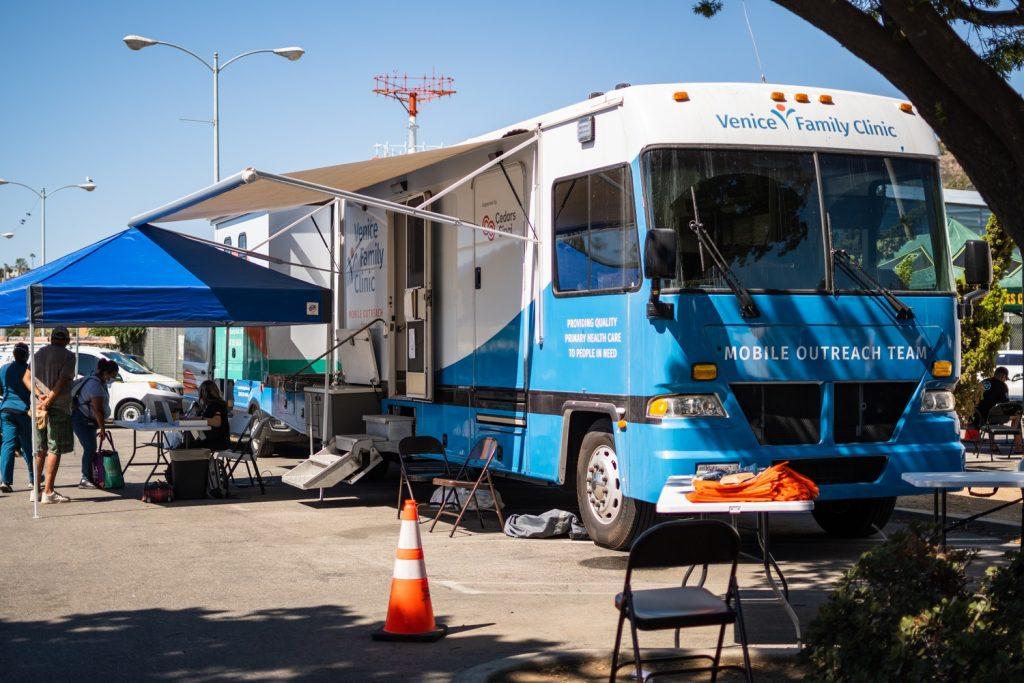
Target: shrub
904,612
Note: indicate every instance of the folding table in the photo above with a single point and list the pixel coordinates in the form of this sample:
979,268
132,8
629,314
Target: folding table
159,442
673,501
942,482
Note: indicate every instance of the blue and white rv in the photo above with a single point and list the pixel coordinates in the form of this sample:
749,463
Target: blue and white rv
655,281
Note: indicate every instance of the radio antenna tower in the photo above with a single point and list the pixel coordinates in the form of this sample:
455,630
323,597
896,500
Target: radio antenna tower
411,92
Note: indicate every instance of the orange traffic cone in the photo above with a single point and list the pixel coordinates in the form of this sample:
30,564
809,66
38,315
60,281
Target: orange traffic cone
410,614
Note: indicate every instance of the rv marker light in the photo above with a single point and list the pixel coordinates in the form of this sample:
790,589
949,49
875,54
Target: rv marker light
681,96
778,96
703,372
942,368
825,99
802,97
907,108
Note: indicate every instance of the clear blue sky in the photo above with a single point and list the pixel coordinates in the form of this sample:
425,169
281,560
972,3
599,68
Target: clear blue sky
77,102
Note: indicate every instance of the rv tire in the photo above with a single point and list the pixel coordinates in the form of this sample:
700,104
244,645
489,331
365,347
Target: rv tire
612,519
262,446
855,518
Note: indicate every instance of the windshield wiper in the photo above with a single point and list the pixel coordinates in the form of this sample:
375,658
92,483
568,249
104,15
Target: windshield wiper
748,309
842,258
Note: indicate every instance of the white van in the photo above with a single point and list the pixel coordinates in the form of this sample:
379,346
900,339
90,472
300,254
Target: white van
135,382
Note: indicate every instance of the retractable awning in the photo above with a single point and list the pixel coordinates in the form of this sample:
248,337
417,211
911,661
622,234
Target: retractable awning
239,195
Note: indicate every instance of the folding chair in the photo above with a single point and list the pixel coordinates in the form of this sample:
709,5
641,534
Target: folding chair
998,422
413,468
483,452
685,543
242,453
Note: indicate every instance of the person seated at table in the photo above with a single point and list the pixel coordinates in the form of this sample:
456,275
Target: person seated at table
997,391
90,409
211,407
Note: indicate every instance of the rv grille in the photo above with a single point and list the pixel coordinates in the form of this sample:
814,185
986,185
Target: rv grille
868,411
782,414
854,469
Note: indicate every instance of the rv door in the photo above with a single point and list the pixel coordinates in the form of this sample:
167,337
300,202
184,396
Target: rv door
415,288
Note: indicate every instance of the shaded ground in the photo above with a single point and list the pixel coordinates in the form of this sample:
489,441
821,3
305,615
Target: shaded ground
767,670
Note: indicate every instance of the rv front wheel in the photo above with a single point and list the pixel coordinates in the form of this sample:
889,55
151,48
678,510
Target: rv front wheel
612,519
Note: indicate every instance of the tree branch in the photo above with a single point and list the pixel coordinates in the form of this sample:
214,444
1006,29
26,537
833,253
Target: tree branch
969,12
975,83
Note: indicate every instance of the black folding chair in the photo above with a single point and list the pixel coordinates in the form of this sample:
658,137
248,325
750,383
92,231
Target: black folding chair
483,454
998,422
414,468
685,543
239,454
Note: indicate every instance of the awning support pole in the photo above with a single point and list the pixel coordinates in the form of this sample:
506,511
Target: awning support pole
289,226
490,164
252,175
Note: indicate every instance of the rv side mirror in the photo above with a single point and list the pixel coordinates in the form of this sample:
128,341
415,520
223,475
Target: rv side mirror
660,254
978,264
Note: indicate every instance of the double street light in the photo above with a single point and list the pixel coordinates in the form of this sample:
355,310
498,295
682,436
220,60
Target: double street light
290,53
88,186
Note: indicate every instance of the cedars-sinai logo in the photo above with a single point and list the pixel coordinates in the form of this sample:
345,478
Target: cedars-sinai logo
783,114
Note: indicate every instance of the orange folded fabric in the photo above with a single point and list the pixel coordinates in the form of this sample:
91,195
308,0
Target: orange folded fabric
778,482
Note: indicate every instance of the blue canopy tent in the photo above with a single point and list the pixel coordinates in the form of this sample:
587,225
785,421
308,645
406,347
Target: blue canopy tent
151,277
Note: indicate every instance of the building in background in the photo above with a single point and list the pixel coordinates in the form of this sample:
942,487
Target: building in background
966,209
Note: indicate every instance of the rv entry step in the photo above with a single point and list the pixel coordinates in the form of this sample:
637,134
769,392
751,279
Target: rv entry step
347,459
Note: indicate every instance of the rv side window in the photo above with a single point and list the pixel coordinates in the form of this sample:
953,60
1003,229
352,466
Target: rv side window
596,247
243,241
227,241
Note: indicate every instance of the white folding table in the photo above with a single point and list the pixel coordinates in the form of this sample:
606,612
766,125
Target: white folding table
942,482
159,429
673,501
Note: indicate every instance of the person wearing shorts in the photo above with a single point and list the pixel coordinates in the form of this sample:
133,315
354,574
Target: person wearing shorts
54,367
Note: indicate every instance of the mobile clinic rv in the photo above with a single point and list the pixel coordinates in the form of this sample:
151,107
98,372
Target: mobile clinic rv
656,281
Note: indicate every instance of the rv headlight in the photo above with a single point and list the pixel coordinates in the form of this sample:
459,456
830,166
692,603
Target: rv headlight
940,401
685,405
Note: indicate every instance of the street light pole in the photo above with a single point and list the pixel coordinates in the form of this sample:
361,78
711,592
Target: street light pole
216,117
290,53
42,194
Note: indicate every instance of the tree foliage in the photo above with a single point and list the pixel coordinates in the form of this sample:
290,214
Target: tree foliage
129,339
985,332
951,59
906,612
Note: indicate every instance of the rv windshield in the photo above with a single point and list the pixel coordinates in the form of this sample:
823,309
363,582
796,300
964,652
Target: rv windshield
760,207
886,213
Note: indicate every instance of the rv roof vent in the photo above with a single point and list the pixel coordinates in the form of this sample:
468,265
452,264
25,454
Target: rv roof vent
620,86
596,93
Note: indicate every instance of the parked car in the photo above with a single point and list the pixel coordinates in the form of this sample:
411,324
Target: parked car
1012,361
133,385
135,382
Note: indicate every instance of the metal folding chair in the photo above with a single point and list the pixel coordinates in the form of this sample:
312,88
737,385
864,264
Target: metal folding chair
414,468
483,453
998,422
685,543
242,453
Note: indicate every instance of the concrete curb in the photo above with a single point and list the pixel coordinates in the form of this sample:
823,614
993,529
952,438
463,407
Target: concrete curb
482,673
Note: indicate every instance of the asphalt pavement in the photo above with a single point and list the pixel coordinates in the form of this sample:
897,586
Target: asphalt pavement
280,586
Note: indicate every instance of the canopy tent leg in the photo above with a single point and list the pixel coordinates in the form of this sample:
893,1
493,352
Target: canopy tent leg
32,400
227,353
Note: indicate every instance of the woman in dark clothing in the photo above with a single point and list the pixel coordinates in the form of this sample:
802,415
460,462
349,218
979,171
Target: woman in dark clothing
214,409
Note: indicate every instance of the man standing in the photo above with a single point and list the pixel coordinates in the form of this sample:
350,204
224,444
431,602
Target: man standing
55,371
15,424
